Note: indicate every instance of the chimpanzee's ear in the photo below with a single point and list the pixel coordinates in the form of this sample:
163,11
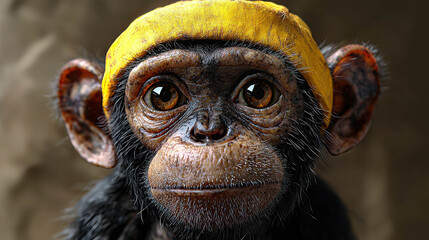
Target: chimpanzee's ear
356,81
80,102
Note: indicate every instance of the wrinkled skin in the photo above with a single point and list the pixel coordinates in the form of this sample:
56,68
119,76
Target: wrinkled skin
216,141
238,166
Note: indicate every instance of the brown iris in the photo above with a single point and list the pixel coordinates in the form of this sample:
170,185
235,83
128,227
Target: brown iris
257,94
163,97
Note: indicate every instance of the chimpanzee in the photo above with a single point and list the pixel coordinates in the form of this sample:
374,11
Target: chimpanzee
212,114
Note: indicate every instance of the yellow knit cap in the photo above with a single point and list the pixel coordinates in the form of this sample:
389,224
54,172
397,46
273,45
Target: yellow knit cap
263,23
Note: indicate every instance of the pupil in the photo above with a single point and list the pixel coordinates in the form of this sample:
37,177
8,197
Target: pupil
163,93
256,91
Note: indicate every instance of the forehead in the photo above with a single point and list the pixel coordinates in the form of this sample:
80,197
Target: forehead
194,59
228,56
203,69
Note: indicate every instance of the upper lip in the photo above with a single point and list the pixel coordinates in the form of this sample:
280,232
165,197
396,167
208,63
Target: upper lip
217,187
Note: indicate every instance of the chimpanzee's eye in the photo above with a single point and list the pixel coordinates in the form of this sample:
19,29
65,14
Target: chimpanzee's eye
164,96
258,93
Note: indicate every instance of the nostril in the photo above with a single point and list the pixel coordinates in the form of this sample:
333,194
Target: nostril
218,135
198,137
200,134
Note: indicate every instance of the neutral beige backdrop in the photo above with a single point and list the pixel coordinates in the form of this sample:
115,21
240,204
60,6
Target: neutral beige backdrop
384,181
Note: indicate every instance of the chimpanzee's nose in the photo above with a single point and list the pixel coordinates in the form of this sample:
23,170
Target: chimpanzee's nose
208,128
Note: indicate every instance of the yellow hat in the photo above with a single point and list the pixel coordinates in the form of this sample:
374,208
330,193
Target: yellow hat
262,23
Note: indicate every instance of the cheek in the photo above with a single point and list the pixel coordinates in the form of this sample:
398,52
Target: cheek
152,127
274,123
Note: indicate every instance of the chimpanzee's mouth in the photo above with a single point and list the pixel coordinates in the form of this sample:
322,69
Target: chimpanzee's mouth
219,206
214,190
217,186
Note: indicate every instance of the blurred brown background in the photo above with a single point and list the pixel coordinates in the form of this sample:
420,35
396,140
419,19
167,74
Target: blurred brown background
384,181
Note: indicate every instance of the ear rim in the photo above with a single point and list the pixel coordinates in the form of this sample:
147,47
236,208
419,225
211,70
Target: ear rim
105,155
333,142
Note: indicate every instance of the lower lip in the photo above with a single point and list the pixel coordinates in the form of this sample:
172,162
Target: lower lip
215,192
216,208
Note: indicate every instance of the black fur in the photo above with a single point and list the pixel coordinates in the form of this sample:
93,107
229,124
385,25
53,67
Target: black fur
120,207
